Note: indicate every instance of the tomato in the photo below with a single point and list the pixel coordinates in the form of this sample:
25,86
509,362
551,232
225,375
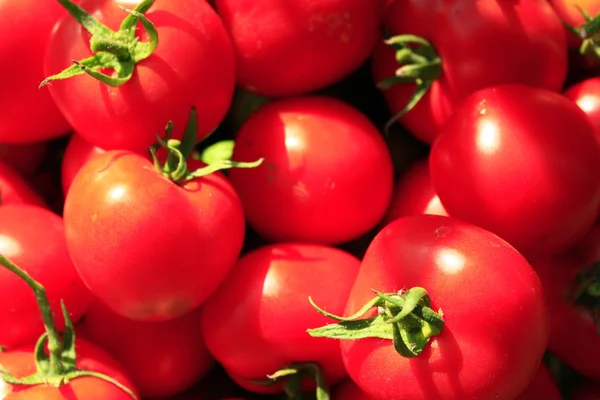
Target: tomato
496,321
573,334
588,390
162,358
541,387
15,190
480,44
25,159
414,194
28,114
568,11
516,161
256,322
149,249
34,238
348,390
77,153
585,94
327,176
20,363
298,46
193,64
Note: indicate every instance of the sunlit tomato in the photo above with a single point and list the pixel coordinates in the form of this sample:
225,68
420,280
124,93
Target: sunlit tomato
586,94
77,153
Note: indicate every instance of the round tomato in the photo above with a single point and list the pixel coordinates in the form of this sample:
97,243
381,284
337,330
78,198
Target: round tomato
298,46
20,363
78,152
266,300
327,175
541,387
517,161
148,248
193,64
495,318
586,94
34,238
15,190
476,45
569,11
162,358
25,159
28,114
348,390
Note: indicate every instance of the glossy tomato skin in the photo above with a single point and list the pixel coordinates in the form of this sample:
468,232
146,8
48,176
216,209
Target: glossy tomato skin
327,174
162,358
414,194
192,65
461,32
541,387
586,94
516,160
33,238
495,333
15,190
573,333
256,322
77,153
149,249
20,363
28,114
298,46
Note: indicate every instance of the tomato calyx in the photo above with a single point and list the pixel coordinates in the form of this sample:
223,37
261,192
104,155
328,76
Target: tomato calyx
589,33
55,367
420,65
586,291
294,374
119,51
405,317
175,167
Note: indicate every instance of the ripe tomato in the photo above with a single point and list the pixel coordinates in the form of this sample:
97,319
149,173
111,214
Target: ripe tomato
193,64
28,114
327,175
480,44
15,190
78,152
495,333
568,11
348,390
20,363
266,300
25,159
516,160
34,238
586,94
414,194
541,387
150,249
162,358
298,46
574,330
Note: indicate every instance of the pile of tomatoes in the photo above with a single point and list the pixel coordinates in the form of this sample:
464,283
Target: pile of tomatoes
296,199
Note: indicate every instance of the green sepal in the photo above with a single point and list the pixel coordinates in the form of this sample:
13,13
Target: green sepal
294,374
222,150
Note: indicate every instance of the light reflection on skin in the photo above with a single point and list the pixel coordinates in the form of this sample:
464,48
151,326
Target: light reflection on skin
587,103
9,247
117,193
488,138
450,261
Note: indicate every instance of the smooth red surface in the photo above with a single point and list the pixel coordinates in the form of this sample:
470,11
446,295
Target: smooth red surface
77,153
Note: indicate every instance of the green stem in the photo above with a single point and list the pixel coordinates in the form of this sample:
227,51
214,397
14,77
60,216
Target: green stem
55,345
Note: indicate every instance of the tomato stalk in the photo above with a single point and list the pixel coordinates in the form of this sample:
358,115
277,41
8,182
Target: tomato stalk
588,33
420,65
55,367
175,167
119,51
586,291
295,373
405,317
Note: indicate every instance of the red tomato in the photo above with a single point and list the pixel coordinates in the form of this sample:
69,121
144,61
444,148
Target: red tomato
516,161
78,152
568,11
496,321
414,194
15,190
586,94
298,46
162,358
348,390
266,300
480,44
192,65
24,158
28,114
573,333
34,238
150,249
327,175
588,390
542,387
20,363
